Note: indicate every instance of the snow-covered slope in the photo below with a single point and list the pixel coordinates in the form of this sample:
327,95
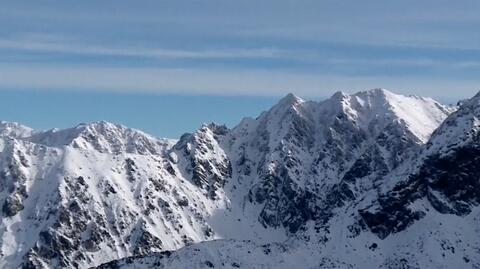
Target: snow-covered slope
224,254
14,129
441,241
301,160
78,197
460,129
315,184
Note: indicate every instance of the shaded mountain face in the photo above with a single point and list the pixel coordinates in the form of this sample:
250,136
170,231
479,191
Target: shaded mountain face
340,180
446,174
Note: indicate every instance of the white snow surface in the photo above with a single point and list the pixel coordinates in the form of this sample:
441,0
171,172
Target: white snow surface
434,242
420,115
14,129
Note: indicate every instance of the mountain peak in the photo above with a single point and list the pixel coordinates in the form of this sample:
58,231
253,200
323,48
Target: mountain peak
102,136
474,100
339,95
377,93
421,116
286,105
290,100
477,95
14,129
462,127
380,91
374,95
100,125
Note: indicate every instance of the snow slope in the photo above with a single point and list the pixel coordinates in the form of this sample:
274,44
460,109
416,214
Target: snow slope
440,241
315,184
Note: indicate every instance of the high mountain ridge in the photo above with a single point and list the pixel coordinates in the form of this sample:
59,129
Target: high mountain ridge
328,183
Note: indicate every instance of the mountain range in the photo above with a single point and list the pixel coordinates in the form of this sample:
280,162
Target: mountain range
368,180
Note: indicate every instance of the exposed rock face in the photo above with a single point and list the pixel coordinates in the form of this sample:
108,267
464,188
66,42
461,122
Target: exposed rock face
204,160
454,188
393,214
13,205
339,180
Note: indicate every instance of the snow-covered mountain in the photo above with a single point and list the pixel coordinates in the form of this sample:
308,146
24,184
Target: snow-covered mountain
369,180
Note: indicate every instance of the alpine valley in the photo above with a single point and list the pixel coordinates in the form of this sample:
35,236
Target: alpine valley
369,180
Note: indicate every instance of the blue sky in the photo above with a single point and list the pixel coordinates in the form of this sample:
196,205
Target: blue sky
160,115
130,61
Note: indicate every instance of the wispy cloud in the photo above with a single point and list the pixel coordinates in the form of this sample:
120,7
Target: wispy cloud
215,82
89,49
241,47
51,44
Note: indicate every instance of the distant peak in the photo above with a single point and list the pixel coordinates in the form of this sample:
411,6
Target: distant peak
472,102
477,95
103,127
14,129
373,93
290,99
101,123
214,128
287,103
377,92
339,95
11,123
380,91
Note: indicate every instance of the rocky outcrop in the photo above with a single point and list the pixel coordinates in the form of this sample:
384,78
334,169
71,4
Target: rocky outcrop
203,159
